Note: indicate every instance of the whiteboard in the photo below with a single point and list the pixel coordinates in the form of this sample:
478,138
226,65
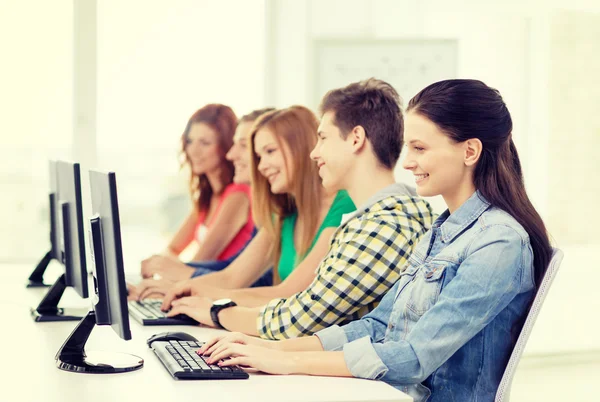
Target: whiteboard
409,65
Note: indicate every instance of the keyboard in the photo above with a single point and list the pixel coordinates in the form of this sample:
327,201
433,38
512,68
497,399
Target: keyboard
182,362
148,312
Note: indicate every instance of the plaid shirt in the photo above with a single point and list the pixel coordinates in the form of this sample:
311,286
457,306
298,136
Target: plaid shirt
365,259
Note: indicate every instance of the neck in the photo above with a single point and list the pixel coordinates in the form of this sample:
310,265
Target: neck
362,183
214,178
459,196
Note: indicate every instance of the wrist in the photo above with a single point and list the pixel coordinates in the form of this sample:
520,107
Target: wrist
298,363
217,308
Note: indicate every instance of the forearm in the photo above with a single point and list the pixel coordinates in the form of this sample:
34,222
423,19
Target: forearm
253,297
305,344
218,280
320,363
240,319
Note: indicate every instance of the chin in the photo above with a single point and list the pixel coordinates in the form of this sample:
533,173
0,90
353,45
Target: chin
425,192
330,186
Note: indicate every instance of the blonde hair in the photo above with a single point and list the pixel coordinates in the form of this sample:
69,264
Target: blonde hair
296,127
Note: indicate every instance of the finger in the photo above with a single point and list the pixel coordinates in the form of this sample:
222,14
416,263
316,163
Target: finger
244,361
155,292
184,301
150,288
217,347
168,299
209,344
176,311
223,354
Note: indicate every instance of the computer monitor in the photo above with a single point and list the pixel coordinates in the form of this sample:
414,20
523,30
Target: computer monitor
36,279
110,290
71,247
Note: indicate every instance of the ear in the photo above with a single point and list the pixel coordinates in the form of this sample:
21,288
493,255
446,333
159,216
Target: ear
473,149
358,138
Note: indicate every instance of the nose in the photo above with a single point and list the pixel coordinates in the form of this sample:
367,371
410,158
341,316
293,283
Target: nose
262,165
409,163
233,153
314,154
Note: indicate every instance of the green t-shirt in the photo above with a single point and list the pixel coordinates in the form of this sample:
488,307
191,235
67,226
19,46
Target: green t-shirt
342,204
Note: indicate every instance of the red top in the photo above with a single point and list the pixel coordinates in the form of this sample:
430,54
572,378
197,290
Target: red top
245,233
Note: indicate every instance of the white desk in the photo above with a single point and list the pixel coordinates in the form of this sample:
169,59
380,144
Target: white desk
28,371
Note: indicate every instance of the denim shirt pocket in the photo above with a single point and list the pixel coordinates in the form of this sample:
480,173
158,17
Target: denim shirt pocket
425,288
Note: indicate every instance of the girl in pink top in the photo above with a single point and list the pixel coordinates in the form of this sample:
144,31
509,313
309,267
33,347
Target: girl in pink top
220,222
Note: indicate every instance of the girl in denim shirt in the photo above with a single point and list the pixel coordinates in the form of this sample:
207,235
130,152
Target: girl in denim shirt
446,330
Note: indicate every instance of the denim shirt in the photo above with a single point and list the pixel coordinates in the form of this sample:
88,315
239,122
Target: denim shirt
446,330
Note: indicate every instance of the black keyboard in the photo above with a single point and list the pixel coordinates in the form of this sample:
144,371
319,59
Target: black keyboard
148,312
181,360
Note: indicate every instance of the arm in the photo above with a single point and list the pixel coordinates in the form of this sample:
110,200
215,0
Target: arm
231,217
298,280
483,286
242,272
358,270
184,235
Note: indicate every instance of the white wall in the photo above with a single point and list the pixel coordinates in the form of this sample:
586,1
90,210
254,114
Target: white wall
511,46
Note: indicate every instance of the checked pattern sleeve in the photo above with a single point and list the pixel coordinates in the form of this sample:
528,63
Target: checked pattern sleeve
364,261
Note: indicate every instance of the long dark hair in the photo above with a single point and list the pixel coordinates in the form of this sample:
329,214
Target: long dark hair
466,109
223,120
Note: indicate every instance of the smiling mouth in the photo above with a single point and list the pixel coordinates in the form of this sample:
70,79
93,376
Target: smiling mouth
272,177
420,177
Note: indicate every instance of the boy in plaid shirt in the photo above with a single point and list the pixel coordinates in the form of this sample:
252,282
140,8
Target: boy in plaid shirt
360,138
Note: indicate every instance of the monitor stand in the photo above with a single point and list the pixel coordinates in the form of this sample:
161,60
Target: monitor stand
48,309
36,279
72,355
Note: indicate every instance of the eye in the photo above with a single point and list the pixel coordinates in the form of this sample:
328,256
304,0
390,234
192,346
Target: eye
418,149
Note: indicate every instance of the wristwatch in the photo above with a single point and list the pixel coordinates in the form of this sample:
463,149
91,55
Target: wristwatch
217,306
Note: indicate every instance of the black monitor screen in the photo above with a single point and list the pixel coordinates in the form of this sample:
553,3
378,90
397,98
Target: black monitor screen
72,243
109,276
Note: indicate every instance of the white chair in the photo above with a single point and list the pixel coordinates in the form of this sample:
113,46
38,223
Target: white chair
503,393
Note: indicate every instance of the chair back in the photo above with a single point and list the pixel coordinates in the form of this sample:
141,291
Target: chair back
503,393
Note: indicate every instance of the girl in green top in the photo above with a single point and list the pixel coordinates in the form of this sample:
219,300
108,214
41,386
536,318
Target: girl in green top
296,216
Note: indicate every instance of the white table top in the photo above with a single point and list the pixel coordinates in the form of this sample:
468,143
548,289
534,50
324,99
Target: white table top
28,371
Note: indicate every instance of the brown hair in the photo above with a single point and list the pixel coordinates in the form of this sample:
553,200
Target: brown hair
465,109
296,127
255,114
223,120
375,106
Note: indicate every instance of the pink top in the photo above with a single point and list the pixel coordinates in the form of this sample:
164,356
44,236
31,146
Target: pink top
242,237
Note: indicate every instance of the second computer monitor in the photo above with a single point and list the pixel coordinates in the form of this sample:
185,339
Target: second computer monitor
72,243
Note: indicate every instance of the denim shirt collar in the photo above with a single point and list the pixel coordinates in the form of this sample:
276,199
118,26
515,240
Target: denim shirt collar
451,225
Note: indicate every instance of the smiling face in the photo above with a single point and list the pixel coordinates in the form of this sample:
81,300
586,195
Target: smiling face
202,149
436,161
332,153
272,161
239,153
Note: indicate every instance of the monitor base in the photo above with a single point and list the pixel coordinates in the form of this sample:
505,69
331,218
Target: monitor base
101,363
60,314
36,279
36,284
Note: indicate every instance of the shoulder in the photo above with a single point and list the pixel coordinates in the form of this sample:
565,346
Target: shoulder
495,221
402,211
236,188
342,204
